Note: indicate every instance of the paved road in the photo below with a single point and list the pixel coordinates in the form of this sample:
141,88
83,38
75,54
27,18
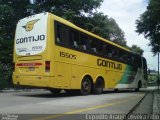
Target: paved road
42,104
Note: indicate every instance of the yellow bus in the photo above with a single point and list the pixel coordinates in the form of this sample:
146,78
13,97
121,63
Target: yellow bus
55,54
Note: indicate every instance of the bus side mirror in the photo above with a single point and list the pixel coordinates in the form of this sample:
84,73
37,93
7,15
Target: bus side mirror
148,71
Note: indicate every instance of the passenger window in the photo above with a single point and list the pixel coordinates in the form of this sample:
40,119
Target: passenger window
65,35
108,51
125,57
100,47
88,44
74,38
120,55
93,45
115,53
58,30
104,50
83,42
71,38
94,50
130,58
62,34
75,44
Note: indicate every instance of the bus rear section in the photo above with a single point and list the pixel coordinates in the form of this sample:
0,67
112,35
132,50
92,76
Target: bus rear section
32,65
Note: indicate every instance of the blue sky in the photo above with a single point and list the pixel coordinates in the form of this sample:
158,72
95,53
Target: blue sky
126,12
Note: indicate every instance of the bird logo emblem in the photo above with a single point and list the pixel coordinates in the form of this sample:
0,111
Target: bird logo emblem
29,25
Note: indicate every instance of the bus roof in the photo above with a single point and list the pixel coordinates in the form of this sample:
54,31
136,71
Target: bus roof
85,31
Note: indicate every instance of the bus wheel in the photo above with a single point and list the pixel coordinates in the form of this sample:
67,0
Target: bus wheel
98,86
138,87
55,91
85,86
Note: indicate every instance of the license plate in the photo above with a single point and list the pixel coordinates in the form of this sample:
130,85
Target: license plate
31,68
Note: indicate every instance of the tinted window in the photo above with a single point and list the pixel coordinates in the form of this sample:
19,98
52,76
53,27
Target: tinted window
62,34
58,31
74,39
83,41
108,51
100,47
145,68
93,45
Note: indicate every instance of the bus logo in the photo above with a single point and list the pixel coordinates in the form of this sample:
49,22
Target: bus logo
29,25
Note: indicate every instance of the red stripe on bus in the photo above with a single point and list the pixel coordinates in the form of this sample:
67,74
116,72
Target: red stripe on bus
29,64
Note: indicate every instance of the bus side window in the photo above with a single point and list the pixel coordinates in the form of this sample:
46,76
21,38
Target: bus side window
126,57
93,45
104,50
83,41
75,44
61,34
58,31
145,68
74,38
137,61
100,47
94,50
88,44
65,35
131,59
120,55
108,51
115,53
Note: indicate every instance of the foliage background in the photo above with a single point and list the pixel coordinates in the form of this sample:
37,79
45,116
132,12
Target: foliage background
149,25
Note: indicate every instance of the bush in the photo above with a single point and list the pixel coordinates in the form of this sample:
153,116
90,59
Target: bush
6,76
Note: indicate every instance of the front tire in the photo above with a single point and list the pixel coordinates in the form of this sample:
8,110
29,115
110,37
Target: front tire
85,86
138,87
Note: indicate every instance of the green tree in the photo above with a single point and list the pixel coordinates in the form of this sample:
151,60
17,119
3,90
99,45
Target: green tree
149,24
103,26
66,8
137,50
10,12
115,33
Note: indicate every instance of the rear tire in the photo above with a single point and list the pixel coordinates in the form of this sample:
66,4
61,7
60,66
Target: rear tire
98,86
86,86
